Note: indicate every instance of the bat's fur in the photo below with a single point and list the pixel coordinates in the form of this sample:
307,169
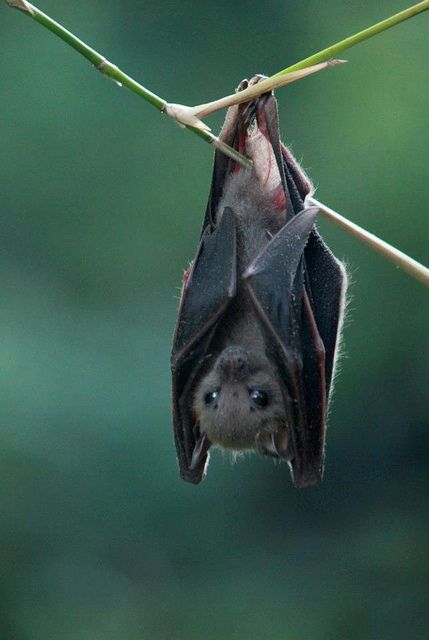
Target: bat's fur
234,421
252,360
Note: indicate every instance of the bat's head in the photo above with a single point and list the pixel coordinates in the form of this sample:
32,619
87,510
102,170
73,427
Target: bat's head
238,404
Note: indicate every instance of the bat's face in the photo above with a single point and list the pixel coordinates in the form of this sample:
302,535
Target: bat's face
238,403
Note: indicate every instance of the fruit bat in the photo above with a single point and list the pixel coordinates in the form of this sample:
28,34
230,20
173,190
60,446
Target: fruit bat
261,310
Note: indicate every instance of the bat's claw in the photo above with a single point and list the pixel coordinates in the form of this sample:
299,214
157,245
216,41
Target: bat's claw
264,445
280,442
274,445
201,448
256,78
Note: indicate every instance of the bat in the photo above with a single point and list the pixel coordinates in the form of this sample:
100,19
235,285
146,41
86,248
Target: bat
261,311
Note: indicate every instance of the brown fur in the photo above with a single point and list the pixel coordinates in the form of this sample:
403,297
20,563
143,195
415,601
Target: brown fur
235,421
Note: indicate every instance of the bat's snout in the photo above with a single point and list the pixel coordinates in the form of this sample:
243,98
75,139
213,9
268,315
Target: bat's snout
233,364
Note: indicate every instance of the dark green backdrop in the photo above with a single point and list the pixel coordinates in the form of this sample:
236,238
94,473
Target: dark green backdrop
101,202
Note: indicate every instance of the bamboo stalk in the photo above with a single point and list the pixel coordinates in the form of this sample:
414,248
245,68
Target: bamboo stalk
112,71
190,115
186,116
400,259
357,38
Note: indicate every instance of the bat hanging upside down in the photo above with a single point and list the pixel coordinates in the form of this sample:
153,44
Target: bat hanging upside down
261,311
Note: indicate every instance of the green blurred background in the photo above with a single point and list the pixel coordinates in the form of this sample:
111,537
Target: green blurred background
101,204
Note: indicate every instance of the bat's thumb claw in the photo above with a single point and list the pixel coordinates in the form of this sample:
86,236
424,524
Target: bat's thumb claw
200,451
280,442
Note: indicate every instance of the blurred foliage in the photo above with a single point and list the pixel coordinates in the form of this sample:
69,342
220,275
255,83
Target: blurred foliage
101,205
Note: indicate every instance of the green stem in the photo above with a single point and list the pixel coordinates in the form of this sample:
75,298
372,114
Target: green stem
107,68
95,58
113,72
335,49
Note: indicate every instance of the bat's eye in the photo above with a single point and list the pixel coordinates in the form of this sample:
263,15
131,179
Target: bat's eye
260,398
211,397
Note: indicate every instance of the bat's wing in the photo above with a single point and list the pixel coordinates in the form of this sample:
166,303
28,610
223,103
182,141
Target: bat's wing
326,279
297,287
325,275
222,165
207,292
276,283
326,284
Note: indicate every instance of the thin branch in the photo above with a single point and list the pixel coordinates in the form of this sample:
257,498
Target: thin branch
190,115
255,90
112,71
412,267
357,38
325,54
183,114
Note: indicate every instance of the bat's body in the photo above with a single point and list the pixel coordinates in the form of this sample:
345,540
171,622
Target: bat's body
255,343
229,416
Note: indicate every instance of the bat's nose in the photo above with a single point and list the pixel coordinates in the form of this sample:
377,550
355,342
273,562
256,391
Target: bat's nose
233,363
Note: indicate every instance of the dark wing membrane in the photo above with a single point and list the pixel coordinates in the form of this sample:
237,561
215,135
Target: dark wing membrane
327,279
207,293
268,123
275,281
295,183
302,183
222,164
308,465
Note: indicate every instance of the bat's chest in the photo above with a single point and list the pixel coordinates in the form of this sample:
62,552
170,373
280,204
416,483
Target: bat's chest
258,214
250,242
239,325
